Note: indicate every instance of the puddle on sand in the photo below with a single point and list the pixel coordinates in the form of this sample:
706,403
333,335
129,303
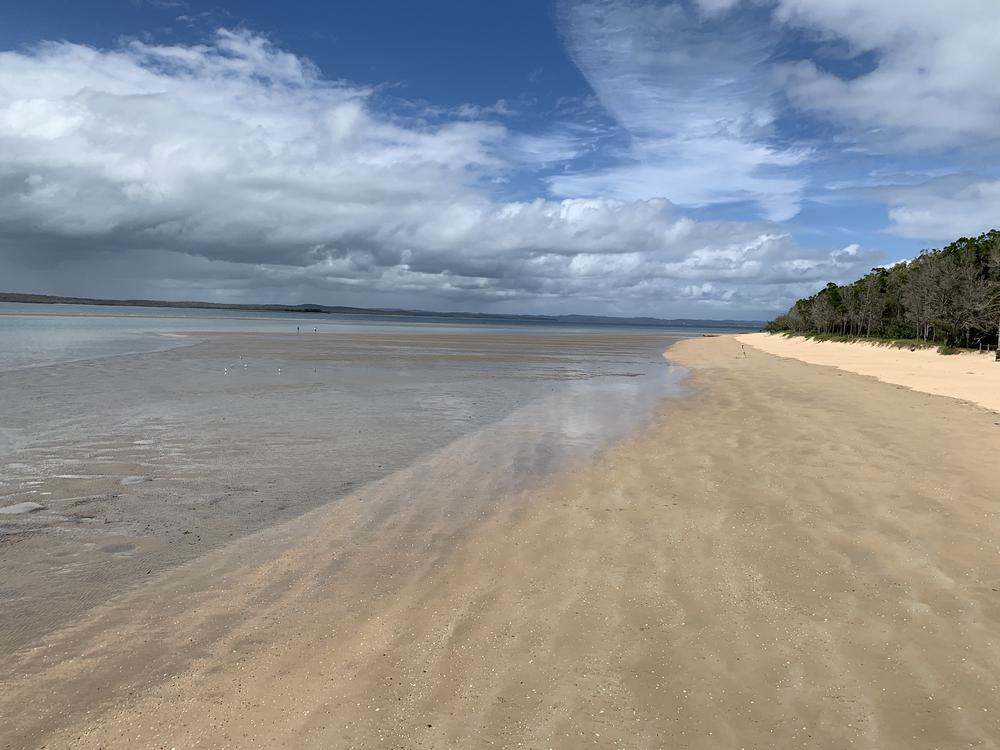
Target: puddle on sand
119,550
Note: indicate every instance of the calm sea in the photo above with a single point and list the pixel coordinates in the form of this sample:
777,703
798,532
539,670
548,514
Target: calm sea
35,334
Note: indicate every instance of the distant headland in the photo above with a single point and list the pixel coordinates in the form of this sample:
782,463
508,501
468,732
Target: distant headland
569,320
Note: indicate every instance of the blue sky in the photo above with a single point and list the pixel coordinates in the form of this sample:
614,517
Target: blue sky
448,53
709,158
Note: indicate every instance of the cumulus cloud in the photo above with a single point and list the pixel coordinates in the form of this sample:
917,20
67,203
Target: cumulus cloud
235,170
927,87
933,78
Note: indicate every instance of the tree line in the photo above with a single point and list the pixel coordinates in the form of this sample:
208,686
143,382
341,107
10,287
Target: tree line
949,296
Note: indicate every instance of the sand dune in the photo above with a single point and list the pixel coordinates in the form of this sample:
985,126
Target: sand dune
971,377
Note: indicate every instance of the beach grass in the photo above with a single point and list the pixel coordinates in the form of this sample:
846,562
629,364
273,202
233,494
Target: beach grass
895,343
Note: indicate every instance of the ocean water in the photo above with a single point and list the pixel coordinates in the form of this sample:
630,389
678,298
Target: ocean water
36,334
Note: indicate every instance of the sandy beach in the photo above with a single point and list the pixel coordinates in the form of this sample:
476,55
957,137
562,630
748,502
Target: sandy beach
970,376
792,556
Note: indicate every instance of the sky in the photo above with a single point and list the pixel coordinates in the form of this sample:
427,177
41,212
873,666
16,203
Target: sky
682,158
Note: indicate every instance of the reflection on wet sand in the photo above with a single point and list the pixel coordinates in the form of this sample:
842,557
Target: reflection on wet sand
114,470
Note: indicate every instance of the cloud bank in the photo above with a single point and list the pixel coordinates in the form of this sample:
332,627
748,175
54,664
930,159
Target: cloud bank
233,169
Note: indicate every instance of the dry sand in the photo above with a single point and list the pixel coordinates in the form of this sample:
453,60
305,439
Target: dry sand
970,376
792,557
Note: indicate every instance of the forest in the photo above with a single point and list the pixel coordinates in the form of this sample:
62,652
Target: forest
949,297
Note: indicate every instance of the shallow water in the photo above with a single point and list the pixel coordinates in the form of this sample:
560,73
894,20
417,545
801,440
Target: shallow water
40,334
142,462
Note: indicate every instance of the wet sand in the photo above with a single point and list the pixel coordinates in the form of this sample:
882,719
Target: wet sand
113,470
794,556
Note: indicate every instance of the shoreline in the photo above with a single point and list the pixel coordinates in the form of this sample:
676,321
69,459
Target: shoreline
116,472
689,586
189,593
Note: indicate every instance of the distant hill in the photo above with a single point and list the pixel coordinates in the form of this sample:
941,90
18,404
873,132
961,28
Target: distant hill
569,320
658,322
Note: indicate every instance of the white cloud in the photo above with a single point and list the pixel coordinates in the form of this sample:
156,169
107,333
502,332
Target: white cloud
945,208
715,7
235,170
933,82
697,106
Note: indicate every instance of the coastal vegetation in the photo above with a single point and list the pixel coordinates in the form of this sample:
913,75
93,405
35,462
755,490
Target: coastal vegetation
948,297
